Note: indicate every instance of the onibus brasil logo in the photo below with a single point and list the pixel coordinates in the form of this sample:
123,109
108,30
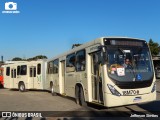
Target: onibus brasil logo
10,7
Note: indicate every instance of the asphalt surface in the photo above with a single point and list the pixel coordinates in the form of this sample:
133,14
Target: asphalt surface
60,106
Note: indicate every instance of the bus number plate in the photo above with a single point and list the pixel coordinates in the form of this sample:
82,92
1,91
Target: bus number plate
130,92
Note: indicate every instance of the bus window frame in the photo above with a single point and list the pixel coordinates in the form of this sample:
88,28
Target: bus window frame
67,61
56,69
77,61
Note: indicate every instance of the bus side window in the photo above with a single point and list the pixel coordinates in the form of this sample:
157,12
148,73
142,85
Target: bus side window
8,71
31,72
50,67
12,73
70,63
39,69
23,69
18,70
80,60
55,66
34,72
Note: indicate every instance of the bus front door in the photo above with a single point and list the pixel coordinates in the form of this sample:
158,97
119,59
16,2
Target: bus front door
13,78
97,94
32,77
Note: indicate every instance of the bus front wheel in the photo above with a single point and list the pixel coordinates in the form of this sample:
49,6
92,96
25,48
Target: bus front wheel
77,95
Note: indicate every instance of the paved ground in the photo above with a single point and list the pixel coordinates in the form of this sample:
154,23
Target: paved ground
12,100
34,101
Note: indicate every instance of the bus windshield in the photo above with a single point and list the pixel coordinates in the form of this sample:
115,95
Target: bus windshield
127,64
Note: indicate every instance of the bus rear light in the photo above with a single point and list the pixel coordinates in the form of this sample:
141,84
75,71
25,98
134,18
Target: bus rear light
154,88
113,90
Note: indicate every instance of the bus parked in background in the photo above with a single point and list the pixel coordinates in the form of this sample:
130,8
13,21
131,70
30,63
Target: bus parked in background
98,72
25,75
1,77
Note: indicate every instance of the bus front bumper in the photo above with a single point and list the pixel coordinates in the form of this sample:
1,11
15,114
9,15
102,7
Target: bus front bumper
113,100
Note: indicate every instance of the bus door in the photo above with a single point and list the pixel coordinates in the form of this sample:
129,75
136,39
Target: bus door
39,77
32,77
13,78
97,94
63,75
70,76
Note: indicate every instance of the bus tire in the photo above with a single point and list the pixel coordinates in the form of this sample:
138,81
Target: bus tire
82,99
77,97
52,90
22,87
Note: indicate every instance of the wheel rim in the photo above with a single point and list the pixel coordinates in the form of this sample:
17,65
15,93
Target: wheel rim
22,87
52,90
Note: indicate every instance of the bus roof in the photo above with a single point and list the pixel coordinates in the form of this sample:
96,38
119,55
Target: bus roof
24,62
121,37
96,41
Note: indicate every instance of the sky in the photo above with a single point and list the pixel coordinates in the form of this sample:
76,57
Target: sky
50,27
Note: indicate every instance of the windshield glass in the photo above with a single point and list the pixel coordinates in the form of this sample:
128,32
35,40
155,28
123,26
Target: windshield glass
126,64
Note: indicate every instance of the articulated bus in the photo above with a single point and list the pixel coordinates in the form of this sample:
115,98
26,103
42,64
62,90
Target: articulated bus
25,75
1,76
96,72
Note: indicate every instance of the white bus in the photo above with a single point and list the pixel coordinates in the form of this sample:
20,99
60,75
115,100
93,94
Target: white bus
25,75
95,72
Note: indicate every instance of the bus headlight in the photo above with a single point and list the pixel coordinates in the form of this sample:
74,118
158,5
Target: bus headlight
113,90
154,88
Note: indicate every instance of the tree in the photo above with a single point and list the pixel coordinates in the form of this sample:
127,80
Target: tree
30,59
37,57
154,47
41,57
75,45
17,59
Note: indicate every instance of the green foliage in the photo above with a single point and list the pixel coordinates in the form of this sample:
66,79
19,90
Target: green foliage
30,59
37,57
154,47
17,59
75,45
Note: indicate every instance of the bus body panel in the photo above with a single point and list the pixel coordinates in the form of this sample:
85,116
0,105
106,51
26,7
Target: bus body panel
31,79
94,80
113,101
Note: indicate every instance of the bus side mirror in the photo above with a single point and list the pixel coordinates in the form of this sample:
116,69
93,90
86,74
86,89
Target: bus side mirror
104,55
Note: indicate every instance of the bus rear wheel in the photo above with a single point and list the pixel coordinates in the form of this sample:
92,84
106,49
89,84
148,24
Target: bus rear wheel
22,87
82,98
